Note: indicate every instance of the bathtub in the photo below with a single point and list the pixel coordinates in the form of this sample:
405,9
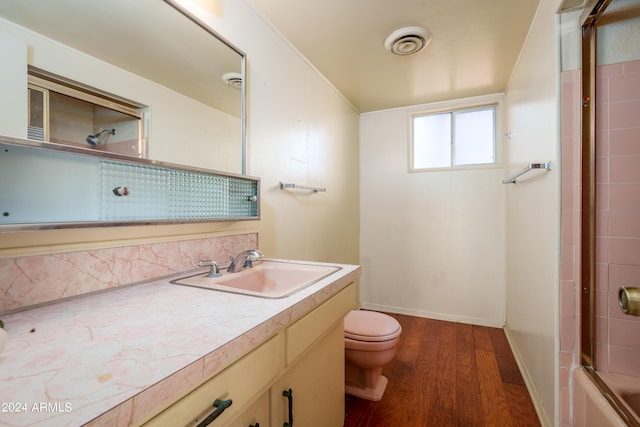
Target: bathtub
626,388
592,409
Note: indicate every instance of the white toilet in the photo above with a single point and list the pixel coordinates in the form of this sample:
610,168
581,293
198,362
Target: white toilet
371,342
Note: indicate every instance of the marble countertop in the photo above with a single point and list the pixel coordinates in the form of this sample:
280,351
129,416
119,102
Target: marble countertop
113,357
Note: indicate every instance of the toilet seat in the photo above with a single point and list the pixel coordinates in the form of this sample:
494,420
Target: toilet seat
370,326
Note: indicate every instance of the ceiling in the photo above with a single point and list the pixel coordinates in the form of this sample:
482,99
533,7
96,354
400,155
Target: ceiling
474,47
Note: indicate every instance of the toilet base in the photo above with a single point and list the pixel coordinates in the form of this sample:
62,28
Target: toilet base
374,393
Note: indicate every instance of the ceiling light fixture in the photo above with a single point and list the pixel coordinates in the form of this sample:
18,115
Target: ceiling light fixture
233,79
407,41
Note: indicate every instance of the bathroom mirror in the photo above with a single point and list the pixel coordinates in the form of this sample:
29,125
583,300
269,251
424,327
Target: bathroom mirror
188,81
187,84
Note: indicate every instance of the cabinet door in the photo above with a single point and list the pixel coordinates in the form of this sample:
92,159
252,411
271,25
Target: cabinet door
256,414
317,383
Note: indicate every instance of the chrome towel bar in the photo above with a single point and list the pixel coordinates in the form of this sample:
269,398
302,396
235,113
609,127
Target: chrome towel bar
529,167
284,186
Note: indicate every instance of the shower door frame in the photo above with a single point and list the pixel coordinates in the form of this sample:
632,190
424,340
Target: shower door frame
592,12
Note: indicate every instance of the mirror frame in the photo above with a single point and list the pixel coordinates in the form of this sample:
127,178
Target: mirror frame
243,70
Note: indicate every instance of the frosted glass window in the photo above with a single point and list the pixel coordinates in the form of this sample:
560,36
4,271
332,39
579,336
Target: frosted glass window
455,138
432,141
474,137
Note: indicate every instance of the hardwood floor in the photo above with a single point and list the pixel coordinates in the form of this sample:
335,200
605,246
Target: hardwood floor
448,374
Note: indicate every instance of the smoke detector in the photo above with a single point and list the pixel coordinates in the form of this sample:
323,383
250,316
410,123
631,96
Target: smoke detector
233,79
407,41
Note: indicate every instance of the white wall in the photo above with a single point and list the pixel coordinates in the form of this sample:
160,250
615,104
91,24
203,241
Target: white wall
533,212
432,244
13,84
300,130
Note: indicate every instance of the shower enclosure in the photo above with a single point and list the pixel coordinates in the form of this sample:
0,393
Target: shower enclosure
610,201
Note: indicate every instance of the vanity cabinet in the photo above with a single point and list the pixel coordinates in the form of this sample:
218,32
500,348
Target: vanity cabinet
306,357
241,382
316,381
315,366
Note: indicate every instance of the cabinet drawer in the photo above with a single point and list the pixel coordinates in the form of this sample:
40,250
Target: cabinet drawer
240,382
307,330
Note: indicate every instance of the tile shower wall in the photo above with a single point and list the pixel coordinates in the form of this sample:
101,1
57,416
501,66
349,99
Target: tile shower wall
618,176
617,214
26,281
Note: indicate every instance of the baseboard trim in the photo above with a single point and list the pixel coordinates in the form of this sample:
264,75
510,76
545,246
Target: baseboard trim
433,315
537,404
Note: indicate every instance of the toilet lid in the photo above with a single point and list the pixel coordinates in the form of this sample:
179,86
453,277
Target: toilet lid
370,326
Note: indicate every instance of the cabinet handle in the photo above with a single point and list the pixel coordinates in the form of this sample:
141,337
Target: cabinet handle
289,395
220,406
255,425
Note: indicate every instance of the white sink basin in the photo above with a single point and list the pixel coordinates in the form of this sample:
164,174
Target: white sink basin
267,279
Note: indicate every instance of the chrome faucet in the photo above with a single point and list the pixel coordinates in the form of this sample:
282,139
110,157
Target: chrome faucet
244,260
214,271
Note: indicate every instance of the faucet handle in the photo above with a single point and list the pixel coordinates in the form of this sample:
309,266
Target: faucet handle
252,255
215,270
255,254
243,260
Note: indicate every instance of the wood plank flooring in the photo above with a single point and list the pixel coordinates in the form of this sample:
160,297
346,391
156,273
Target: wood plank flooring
448,374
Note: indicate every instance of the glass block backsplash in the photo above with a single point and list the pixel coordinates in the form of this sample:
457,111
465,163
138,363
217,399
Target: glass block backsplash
133,192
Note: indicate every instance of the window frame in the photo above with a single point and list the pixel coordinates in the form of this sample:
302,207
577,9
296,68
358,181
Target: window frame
471,104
